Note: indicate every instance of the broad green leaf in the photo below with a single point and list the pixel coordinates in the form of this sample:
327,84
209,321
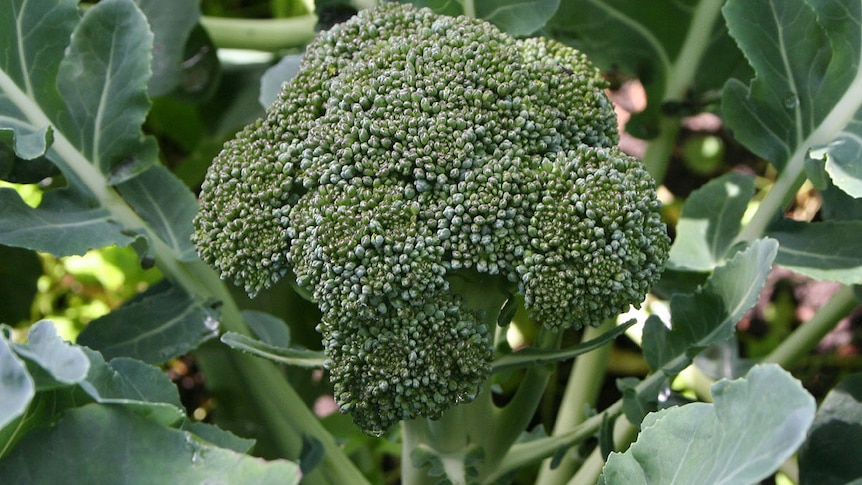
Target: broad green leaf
754,425
64,224
35,34
829,250
157,327
171,22
19,274
167,205
43,410
62,362
529,357
710,314
284,355
98,444
807,93
516,17
103,79
268,328
679,50
709,222
16,385
830,455
127,380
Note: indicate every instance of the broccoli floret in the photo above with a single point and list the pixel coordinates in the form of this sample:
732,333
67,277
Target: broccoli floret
417,172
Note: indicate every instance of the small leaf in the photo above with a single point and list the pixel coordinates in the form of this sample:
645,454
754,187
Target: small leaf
64,224
532,357
160,325
268,328
754,425
710,314
167,205
103,80
291,356
274,77
830,250
831,454
64,363
98,444
16,385
710,221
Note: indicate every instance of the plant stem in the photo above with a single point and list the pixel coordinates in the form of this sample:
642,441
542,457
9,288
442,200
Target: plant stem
581,392
624,433
680,79
260,34
809,334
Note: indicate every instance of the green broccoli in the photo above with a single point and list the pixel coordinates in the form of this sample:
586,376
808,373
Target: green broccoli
417,172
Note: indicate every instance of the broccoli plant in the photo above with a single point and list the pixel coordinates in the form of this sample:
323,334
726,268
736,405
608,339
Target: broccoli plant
418,172
432,214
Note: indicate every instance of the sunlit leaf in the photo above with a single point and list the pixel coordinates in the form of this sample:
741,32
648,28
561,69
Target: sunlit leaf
63,363
16,385
710,314
754,425
709,222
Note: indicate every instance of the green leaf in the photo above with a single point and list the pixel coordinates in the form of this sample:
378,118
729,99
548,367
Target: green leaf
755,424
171,22
154,328
62,362
268,328
103,79
807,93
516,17
656,42
64,224
710,221
128,380
830,455
166,205
531,357
829,250
98,444
285,355
39,30
16,385
218,436
274,77
19,275
710,314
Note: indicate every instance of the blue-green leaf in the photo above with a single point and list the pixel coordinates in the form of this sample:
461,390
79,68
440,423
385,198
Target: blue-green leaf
171,22
103,79
754,425
709,222
807,93
64,224
709,315
830,250
268,328
516,17
830,455
274,77
166,205
63,362
16,385
157,327
98,444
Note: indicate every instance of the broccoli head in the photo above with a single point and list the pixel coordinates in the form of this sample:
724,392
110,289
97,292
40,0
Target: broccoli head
418,171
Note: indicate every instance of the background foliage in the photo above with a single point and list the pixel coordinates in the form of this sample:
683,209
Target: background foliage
111,112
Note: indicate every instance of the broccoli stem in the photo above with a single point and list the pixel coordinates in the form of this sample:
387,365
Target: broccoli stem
269,35
582,390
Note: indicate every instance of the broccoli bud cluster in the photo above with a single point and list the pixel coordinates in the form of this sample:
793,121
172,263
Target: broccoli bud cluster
411,146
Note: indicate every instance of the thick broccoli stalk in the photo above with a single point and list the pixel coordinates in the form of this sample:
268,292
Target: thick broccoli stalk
417,171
